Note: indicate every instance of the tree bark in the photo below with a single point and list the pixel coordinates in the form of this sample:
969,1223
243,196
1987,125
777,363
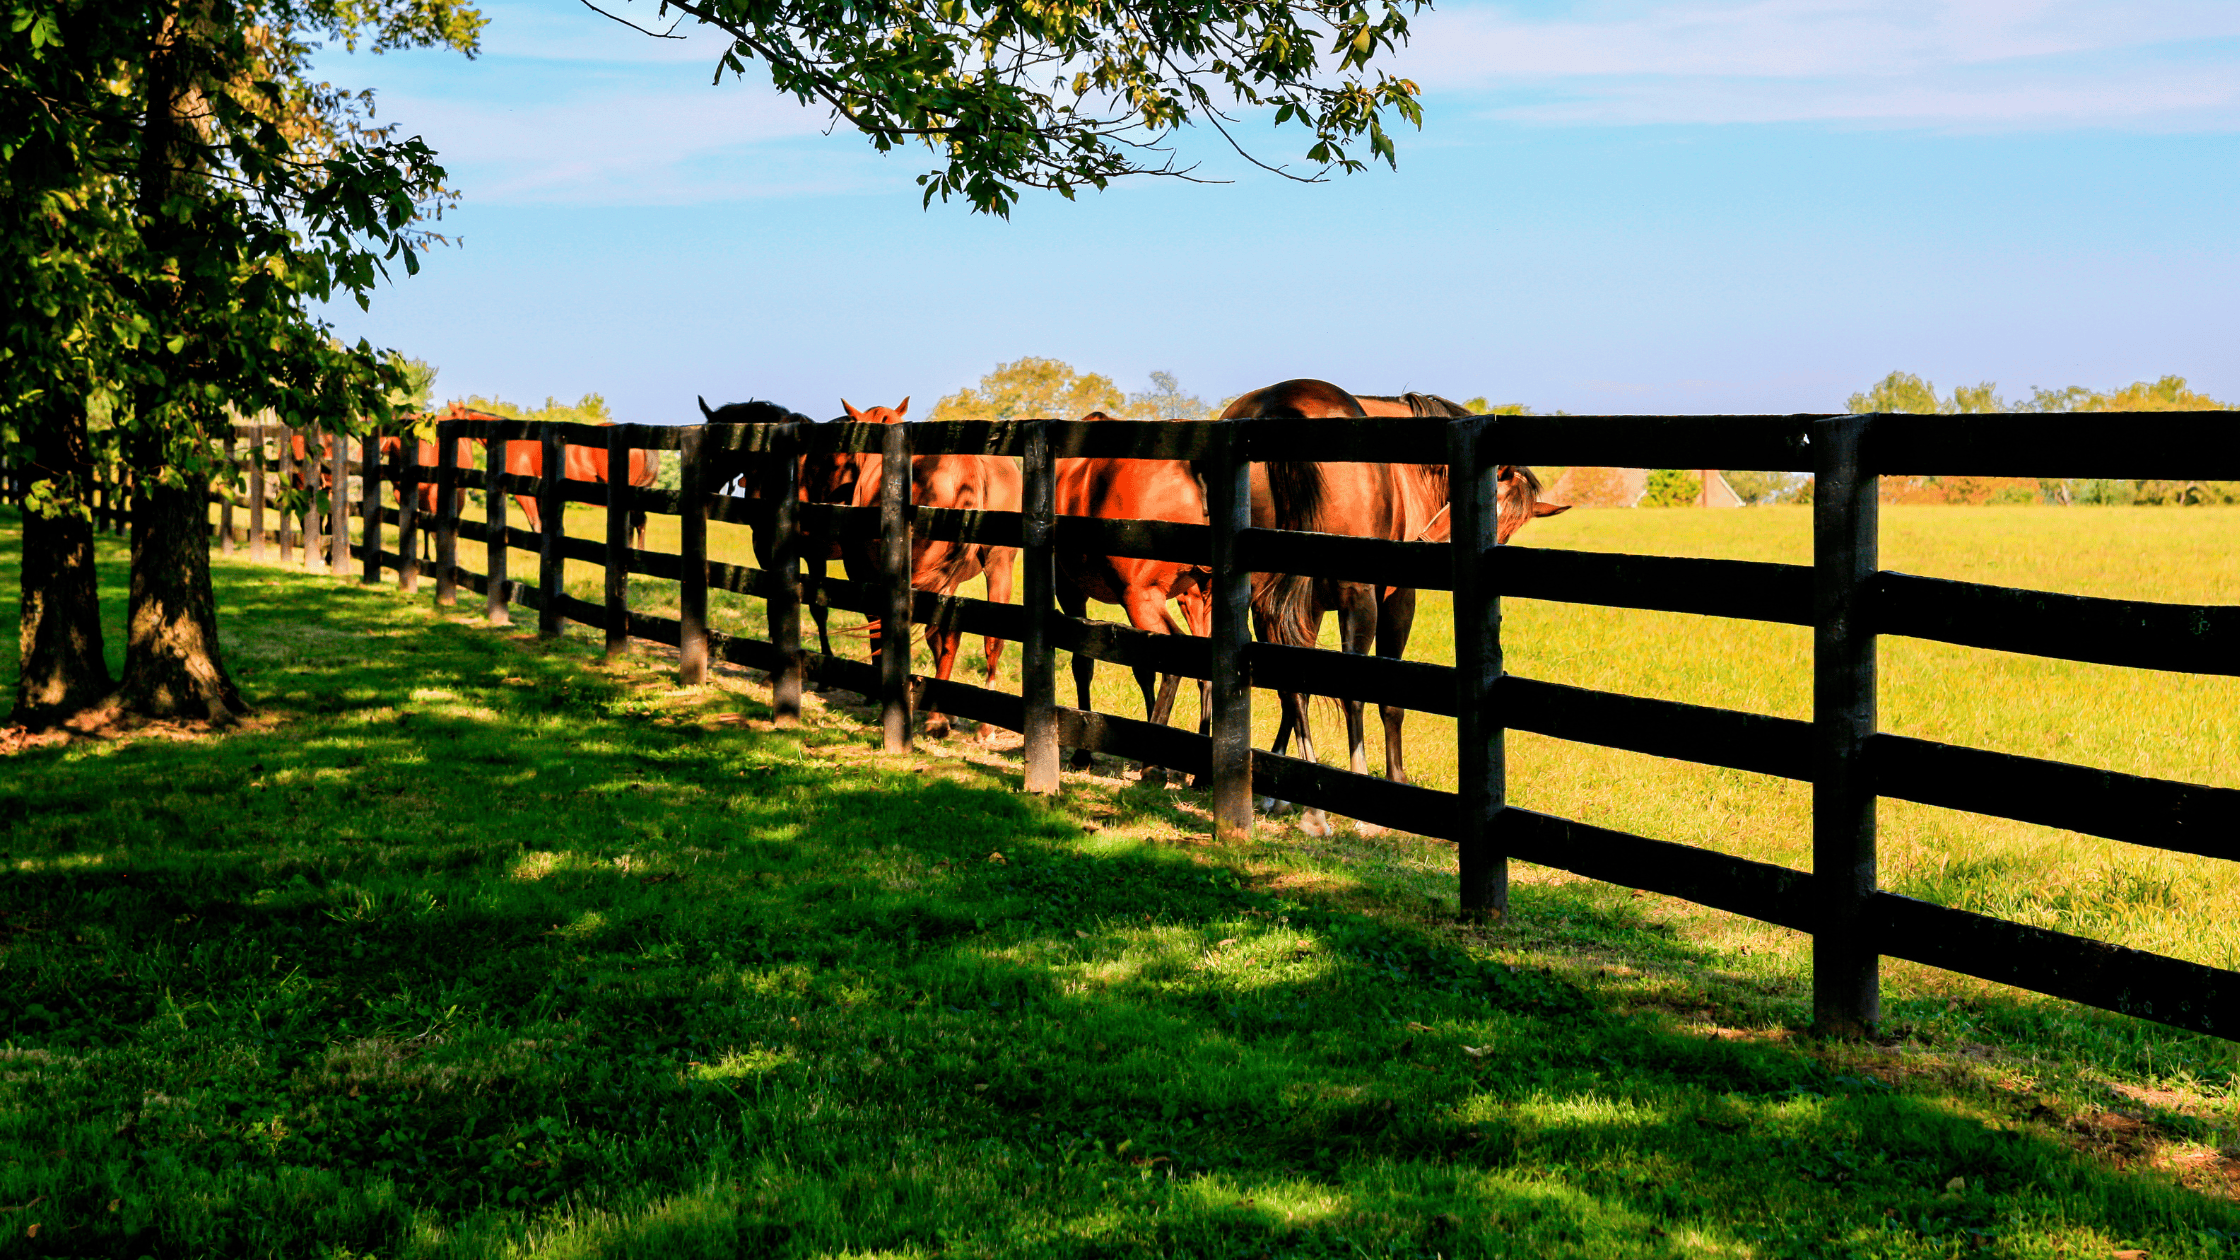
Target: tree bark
64,670
172,665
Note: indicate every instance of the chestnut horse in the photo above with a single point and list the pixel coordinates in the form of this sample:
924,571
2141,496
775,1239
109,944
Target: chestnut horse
581,463
425,496
1138,490
1401,502
986,482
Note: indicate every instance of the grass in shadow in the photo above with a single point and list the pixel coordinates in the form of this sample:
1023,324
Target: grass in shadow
484,948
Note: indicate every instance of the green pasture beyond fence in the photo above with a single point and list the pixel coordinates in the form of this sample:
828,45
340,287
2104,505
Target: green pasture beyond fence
1844,595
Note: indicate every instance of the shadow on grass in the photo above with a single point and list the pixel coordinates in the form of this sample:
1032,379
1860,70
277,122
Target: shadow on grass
490,951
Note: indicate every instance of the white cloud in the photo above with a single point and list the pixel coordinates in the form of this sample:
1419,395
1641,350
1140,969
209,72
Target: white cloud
624,145
1902,62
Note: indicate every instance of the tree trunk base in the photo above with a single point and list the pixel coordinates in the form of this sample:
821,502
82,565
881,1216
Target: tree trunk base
172,665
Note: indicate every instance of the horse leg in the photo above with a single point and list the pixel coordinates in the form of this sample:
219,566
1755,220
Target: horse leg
1357,631
1074,602
1312,820
1148,611
1000,572
941,640
812,581
1395,617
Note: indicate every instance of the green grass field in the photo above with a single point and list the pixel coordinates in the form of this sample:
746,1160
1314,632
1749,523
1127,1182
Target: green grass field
471,945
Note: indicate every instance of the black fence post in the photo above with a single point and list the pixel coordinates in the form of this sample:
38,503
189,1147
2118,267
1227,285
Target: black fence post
338,503
1846,970
287,485
447,514
620,438
314,542
1229,512
692,561
552,563
496,537
895,482
784,600
225,500
1481,751
369,509
1038,660
408,514
257,474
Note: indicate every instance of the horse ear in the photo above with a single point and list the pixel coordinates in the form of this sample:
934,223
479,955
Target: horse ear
853,414
704,407
1550,509
902,408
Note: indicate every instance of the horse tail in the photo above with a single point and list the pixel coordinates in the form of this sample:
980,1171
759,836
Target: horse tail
1287,600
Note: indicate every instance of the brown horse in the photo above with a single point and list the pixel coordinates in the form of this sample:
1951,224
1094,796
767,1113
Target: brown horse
1402,502
1139,490
985,482
581,463
425,491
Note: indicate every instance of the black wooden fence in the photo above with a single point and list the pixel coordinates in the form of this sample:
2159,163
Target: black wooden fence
1845,595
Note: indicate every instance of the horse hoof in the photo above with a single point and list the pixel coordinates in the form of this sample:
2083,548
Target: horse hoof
1272,807
1315,823
1083,759
1369,830
937,730
1152,774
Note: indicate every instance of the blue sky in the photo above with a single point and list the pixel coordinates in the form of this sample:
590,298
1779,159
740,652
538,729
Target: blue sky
1614,206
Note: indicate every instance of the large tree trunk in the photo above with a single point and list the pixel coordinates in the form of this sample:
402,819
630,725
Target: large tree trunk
64,671
172,666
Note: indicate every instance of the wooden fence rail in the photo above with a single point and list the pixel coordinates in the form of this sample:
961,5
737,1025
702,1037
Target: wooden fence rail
1847,599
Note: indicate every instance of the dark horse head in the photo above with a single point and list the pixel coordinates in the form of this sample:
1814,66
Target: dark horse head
722,462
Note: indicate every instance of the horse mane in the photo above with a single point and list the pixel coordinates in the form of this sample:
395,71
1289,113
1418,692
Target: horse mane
1422,404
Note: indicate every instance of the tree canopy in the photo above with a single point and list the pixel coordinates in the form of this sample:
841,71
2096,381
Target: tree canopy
1060,94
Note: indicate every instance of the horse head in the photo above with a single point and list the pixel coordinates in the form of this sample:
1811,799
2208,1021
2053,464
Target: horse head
1519,499
877,415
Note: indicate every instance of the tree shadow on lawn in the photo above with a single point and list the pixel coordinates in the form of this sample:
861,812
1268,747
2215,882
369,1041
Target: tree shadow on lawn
483,954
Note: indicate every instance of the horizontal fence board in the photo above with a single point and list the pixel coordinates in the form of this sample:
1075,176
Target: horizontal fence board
2129,981
1380,439
1661,728
738,439
1760,890
1130,439
2160,445
1416,685
739,579
1751,589
837,520
839,671
1114,644
1376,561
2184,638
966,615
965,525
517,538
738,511
583,610
968,437
1774,443
967,701
1135,740
1171,541
2157,813
1424,811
